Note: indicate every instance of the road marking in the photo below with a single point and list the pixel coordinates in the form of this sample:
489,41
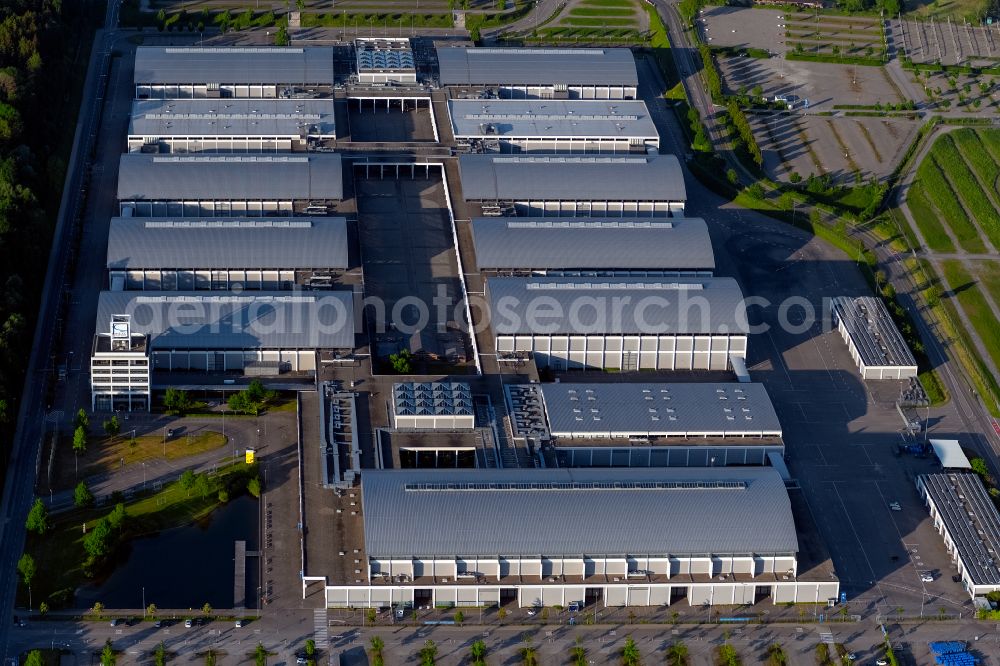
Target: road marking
320,628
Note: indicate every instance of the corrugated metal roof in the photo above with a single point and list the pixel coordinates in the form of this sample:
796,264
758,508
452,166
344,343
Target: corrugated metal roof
231,117
536,66
571,178
253,177
971,521
226,320
547,243
512,118
241,65
752,515
875,336
619,410
228,243
620,305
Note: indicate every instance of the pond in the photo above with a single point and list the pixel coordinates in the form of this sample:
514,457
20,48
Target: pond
184,567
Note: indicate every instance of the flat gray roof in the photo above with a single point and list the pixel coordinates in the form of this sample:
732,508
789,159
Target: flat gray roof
660,410
512,118
576,512
228,243
571,178
619,305
213,320
554,243
231,117
236,177
971,520
875,336
262,65
432,399
536,66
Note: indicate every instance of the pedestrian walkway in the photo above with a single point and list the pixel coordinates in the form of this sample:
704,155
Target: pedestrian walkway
320,631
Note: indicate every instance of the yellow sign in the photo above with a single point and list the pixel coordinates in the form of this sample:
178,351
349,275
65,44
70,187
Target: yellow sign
249,456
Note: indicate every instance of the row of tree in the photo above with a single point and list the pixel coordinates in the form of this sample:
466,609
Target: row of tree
629,655
40,58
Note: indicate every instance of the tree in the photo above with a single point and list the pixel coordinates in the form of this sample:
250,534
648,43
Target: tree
310,648
188,479
253,486
501,614
81,420
207,608
402,362
477,653
377,645
630,653
677,654
732,177
529,655
428,653
98,608
202,486
980,468
80,440
223,496
151,610
459,617
82,497
160,654
108,654
116,519
27,568
260,655
281,37
177,401
578,654
112,427
43,608
776,655
210,658
38,518
34,658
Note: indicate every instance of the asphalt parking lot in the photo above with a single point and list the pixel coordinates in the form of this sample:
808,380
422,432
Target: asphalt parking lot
742,27
823,84
839,146
948,42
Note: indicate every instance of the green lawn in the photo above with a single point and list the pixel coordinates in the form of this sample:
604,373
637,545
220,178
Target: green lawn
608,3
988,273
597,22
928,220
602,11
968,187
940,194
977,309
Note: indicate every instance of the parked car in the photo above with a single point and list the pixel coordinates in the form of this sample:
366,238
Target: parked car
188,623
574,606
895,506
927,577
115,622
239,624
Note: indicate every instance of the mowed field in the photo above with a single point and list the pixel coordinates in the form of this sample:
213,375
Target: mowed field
585,21
955,202
954,198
